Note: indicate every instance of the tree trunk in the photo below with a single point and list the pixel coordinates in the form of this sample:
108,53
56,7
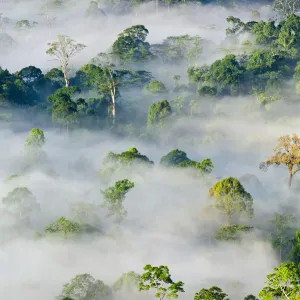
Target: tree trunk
113,104
66,81
156,5
290,181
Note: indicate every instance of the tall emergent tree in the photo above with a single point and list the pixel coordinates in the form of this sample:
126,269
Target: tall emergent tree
114,197
231,198
287,152
64,49
159,279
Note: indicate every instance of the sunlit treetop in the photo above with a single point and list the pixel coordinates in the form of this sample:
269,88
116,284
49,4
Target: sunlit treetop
287,152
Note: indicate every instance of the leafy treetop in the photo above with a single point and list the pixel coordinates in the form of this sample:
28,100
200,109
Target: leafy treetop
159,279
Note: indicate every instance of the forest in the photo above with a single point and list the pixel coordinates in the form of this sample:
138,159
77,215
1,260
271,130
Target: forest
150,149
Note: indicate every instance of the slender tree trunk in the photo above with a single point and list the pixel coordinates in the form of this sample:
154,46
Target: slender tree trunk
66,81
156,5
290,181
113,104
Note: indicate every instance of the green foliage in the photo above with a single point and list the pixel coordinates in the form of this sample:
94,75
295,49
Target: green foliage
114,197
238,27
231,198
281,231
231,232
86,287
294,254
128,282
35,139
64,109
159,279
64,228
177,49
179,159
250,297
282,283
155,86
131,45
158,113
127,158
213,293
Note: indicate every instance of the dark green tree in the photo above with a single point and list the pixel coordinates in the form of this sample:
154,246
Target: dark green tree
131,45
158,113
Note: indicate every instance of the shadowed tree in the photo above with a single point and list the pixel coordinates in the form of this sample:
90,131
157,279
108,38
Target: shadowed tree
64,49
159,279
287,152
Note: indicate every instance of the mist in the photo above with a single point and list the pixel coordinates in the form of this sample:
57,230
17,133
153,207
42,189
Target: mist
166,223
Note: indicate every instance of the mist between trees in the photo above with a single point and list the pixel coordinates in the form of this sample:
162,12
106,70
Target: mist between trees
136,136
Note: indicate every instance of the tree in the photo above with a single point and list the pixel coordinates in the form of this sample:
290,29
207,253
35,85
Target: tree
213,293
250,297
86,287
159,279
35,139
128,282
113,163
287,152
294,254
21,203
30,74
158,113
114,197
231,232
283,283
105,80
177,158
131,45
287,7
155,86
231,198
64,49
281,231
64,109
